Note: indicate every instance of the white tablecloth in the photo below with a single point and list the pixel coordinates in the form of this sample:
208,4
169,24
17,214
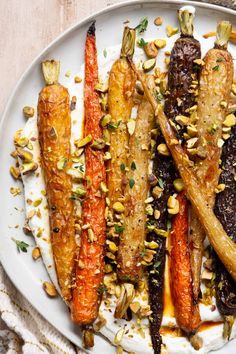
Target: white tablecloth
23,329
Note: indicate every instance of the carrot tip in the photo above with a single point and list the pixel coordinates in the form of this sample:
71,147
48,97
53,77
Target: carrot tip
92,29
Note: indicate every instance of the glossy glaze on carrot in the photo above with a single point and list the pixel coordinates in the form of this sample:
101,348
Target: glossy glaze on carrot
186,313
90,263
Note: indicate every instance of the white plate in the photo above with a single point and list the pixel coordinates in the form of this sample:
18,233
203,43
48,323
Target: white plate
26,274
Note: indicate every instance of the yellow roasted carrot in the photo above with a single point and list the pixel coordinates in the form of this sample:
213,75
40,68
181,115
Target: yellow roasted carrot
120,103
214,93
54,125
136,190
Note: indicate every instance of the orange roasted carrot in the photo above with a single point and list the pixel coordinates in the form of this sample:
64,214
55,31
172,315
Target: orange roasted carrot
186,313
90,263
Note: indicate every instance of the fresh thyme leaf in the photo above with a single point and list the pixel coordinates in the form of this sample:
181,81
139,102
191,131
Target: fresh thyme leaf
196,67
21,245
161,182
119,229
216,68
133,166
81,168
113,125
219,60
142,26
122,166
131,183
102,287
141,42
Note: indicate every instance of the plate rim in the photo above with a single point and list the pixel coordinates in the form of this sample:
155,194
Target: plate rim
37,59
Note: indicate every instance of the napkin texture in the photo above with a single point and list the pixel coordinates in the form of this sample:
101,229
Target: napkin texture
23,329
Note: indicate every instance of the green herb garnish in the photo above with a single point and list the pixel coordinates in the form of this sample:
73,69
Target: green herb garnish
102,287
122,166
21,245
133,166
119,229
216,68
105,53
141,42
131,183
161,183
142,26
219,60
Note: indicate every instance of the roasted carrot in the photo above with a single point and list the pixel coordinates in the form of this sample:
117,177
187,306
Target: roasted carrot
90,262
120,103
181,76
54,125
221,242
214,94
186,313
132,239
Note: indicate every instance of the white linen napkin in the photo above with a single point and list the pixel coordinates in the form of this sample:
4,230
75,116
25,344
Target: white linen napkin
23,329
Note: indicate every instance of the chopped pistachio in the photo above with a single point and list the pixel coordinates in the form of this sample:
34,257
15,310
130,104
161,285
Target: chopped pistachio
225,136
61,164
135,306
149,64
15,172
50,289
192,130
103,187
91,236
151,50
149,200
82,142
79,192
171,31
29,167
220,188
20,140
226,130
68,73
161,232
191,142
182,120
158,21
207,275
77,80
112,246
36,254
149,209
15,191
102,87
223,104
118,336
163,150
157,214
98,144
107,156
106,136
108,268
199,62
230,120
173,205
220,143
152,245
233,89
105,120
24,155
37,202
178,184
157,192
118,207
131,126
160,43
167,61
28,112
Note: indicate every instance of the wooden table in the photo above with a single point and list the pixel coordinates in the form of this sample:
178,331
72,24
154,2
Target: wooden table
27,26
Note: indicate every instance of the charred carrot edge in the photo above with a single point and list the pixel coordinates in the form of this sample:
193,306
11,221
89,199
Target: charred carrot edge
186,313
90,263
54,126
